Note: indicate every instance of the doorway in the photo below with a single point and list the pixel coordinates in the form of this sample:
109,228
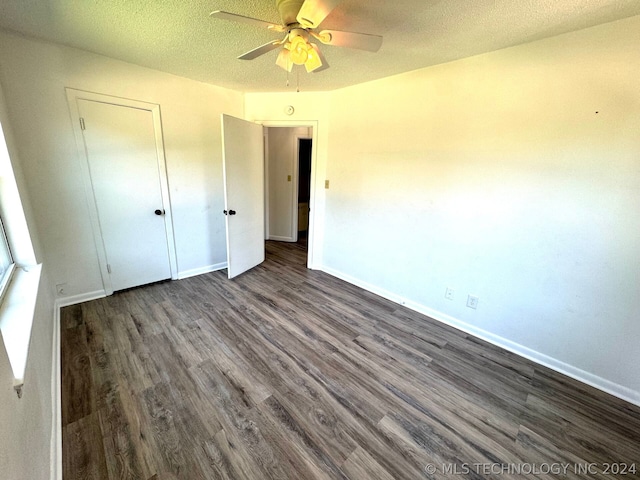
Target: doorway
289,152
280,173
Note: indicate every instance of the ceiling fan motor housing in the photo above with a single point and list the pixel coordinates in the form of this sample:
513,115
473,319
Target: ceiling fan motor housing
298,32
289,10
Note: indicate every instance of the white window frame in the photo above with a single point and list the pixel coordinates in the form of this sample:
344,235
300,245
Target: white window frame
5,251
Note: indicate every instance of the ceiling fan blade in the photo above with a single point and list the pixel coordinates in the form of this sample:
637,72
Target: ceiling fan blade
313,12
261,50
249,20
361,41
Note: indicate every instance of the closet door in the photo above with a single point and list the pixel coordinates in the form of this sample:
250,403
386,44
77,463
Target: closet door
125,169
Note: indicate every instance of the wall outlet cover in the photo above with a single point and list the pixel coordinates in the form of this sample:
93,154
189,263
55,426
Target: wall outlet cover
472,301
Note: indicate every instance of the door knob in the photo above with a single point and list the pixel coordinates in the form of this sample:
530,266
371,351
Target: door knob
159,212
232,212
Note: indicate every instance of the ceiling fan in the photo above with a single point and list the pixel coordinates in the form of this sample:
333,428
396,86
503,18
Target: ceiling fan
300,18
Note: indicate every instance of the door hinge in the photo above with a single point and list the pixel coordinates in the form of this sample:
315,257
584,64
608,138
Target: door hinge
82,126
108,268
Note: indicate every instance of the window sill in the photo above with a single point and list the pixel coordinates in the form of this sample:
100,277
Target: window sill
16,319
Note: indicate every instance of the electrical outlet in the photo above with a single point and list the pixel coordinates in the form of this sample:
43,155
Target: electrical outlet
448,293
60,288
472,301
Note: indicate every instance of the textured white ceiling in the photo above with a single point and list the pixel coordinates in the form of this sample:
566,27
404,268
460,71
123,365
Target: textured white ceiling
179,37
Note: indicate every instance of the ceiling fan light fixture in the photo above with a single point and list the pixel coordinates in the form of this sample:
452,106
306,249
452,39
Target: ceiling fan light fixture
299,50
284,60
315,59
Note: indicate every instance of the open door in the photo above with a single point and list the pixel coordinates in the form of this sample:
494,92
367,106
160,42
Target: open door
243,169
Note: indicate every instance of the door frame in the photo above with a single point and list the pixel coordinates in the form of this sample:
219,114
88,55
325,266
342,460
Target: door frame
313,221
296,177
265,146
299,137
73,96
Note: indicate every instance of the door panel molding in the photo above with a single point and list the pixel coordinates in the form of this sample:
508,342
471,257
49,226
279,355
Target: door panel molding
73,96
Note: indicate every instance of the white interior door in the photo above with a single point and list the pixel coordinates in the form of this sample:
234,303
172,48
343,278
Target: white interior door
124,167
243,165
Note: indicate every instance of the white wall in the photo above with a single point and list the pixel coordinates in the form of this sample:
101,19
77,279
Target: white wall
34,75
512,176
282,158
26,424
495,176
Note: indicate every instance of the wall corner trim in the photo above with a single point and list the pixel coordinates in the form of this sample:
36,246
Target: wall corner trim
576,373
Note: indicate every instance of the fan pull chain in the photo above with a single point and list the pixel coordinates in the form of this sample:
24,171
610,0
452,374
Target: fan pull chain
298,80
287,84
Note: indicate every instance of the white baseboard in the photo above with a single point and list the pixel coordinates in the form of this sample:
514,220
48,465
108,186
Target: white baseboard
199,271
576,373
56,401
280,239
56,379
80,298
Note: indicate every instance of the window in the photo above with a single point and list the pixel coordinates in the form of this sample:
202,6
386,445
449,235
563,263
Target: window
18,286
6,260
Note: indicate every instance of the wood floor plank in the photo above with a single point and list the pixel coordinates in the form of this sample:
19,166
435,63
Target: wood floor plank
94,327
222,459
125,443
240,425
105,376
233,366
577,399
538,449
310,417
294,442
83,456
79,398
419,446
289,373
362,465
568,428
71,317
158,405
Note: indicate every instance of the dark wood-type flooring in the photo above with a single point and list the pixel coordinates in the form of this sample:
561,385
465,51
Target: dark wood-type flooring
288,373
